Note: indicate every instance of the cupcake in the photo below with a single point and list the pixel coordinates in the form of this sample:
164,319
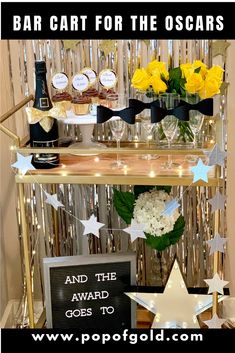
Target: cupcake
80,105
112,100
103,95
63,98
102,98
93,94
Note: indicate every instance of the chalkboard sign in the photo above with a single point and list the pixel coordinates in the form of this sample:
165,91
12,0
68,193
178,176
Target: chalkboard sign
88,291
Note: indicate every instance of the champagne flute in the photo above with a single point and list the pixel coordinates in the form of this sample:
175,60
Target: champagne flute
169,123
117,125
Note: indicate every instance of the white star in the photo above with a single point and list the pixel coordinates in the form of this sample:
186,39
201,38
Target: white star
200,171
92,226
175,307
217,202
215,322
216,244
53,201
170,207
216,156
136,230
23,163
216,284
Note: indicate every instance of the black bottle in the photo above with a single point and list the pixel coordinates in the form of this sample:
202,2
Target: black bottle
47,136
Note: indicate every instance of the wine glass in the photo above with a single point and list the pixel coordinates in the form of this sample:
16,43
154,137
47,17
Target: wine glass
195,118
149,129
170,122
117,125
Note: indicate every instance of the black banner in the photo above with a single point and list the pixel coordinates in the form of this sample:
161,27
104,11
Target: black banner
39,340
114,20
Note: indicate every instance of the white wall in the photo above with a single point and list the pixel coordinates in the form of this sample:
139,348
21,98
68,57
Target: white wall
10,267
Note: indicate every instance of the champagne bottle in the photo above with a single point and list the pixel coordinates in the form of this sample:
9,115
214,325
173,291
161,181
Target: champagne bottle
45,132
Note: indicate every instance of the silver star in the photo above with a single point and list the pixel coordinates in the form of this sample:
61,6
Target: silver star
175,307
216,284
216,244
23,163
200,171
215,322
92,226
53,201
217,156
217,202
170,207
136,230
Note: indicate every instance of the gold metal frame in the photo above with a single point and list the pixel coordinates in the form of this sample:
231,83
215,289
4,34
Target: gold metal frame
19,146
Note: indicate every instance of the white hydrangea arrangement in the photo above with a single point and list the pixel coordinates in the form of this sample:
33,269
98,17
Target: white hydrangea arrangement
146,204
148,210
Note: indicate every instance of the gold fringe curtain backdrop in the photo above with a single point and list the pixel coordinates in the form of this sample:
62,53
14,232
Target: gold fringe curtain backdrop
56,233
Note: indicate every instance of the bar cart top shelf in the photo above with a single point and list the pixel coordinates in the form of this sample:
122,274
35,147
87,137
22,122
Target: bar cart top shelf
93,166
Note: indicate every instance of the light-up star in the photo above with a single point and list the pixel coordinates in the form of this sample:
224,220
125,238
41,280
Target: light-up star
216,284
136,230
215,322
216,244
175,307
23,163
92,226
170,207
216,156
53,201
200,171
217,202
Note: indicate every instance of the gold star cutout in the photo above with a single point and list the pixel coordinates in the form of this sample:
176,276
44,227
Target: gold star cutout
70,44
219,47
107,46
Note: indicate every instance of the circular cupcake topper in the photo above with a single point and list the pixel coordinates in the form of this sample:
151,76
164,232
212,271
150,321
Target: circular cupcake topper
60,80
108,78
80,82
92,75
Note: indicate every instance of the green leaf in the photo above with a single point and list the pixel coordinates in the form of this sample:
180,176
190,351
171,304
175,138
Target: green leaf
162,242
197,70
158,243
164,188
139,189
124,204
175,77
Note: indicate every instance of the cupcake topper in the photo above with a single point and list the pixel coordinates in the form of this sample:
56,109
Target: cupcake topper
92,75
80,82
60,81
108,78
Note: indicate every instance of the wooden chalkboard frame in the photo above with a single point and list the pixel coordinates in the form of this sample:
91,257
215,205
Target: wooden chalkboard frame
85,260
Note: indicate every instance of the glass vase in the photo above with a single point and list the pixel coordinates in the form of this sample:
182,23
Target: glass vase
158,272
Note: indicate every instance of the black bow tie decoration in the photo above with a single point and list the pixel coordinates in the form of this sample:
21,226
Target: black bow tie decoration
205,106
157,113
139,106
104,114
